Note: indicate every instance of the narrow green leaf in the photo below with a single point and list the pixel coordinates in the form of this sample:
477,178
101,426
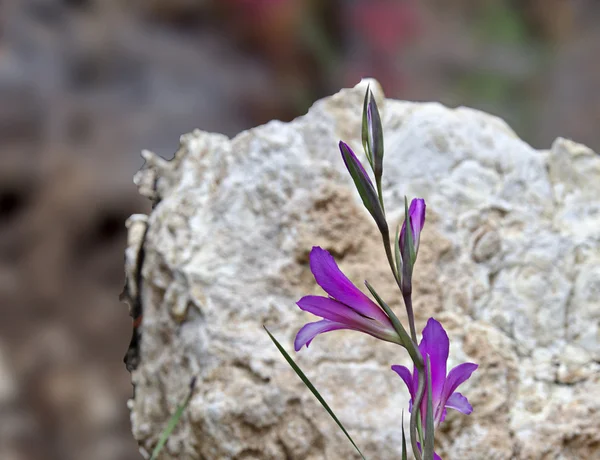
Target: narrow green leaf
397,252
407,342
365,128
173,422
311,387
420,428
429,431
404,453
408,250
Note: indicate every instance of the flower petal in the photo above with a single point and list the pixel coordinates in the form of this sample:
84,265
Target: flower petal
405,375
457,376
460,403
333,310
436,345
442,416
309,331
328,275
417,218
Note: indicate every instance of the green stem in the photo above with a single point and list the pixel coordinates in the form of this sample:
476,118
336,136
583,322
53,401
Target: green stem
390,258
420,428
379,192
413,415
405,339
407,300
411,315
419,366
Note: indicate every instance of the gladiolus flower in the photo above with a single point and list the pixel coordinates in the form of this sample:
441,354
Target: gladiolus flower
436,346
345,308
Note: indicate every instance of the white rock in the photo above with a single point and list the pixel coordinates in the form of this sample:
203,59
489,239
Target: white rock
509,262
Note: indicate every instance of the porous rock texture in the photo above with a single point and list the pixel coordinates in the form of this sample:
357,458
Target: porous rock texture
509,262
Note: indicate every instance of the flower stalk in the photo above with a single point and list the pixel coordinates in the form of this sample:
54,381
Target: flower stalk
415,413
432,390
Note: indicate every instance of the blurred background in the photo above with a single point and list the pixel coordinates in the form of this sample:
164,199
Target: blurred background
86,84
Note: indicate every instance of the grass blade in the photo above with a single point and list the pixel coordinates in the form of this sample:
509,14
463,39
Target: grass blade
311,387
173,422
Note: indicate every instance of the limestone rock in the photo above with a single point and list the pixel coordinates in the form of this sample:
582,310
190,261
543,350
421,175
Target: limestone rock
509,263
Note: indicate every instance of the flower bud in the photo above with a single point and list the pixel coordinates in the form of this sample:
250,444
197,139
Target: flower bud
364,186
409,241
372,134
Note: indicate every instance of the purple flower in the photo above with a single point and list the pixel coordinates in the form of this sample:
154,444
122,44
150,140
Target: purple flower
345,308
417,220
435,345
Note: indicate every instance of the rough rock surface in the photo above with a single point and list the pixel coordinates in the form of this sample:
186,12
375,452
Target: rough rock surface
509,263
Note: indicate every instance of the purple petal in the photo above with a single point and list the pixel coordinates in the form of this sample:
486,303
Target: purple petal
328,275
309,331
435,344
460,403
331,309
336,311
457,376
417,217
417,220
443,416
405,375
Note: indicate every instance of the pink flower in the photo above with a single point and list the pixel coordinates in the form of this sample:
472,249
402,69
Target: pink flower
345,308
435,345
